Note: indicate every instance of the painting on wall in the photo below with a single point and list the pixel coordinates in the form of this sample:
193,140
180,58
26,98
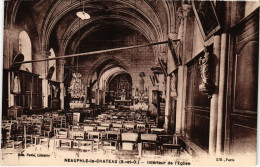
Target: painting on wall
206,18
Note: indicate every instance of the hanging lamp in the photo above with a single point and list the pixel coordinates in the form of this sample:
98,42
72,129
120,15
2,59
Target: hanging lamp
83,15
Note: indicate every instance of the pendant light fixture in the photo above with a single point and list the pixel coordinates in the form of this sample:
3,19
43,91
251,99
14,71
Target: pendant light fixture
82,14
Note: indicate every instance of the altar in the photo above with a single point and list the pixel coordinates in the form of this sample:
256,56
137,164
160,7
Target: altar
123,102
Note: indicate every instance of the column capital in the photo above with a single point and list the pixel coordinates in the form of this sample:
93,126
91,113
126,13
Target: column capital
173,35
44,53
62,61
184,11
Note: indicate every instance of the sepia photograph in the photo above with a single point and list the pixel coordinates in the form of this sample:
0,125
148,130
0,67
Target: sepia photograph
129,82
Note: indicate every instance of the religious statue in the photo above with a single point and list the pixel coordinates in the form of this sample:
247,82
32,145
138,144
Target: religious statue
163,90
56,90
146,91
136,92
123,94
49,89
207,85
141,83
133,91
16,85
173,87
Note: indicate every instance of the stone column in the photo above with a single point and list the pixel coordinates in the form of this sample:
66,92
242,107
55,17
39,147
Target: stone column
167,105
60,77
221,93
7,59
11,48
10,96
214,100
183,13
41,68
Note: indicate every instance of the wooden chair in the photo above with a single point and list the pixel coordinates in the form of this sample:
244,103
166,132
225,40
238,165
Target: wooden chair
129,141
149,142
93,135
117,127
61,133
85,145
169,142
113,135
7,132
76,118
63,143
77,134
106,124
47,128
157,131
66,143
17,135
141,128
129,127
102,128
62,123
109,145
75,144
75,127
37,126
88,128
41,142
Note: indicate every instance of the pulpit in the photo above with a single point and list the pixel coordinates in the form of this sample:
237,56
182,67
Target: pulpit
14,112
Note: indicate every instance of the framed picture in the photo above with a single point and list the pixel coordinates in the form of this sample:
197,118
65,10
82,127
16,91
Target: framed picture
174,55
155,78
206,18
151,78
163,67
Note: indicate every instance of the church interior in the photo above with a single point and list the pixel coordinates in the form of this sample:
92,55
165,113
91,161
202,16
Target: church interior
129,79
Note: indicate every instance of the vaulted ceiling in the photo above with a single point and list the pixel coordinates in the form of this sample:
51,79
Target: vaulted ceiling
58,26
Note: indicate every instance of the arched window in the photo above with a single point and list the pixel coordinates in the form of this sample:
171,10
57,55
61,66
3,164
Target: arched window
52,63
25,47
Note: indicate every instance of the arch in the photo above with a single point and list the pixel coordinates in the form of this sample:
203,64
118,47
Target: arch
10,13
111,77
100,62
25,47
104,79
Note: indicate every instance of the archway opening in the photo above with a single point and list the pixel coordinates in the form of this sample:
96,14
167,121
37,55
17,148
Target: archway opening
25,47
119,88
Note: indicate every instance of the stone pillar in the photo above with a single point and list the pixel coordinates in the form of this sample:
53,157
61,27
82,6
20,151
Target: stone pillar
221,93
183,13
167,105
10,96
214,100
60,77
62,94
41,68
7,59
8,49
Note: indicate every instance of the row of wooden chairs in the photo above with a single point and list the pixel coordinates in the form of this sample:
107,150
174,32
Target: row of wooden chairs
128,141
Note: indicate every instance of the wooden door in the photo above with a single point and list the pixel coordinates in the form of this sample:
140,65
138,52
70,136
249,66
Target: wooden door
242,86
197,108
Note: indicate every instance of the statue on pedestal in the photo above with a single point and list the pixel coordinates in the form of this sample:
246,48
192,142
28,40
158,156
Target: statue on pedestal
207,85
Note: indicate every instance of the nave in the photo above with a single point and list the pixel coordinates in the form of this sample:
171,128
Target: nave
130,79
